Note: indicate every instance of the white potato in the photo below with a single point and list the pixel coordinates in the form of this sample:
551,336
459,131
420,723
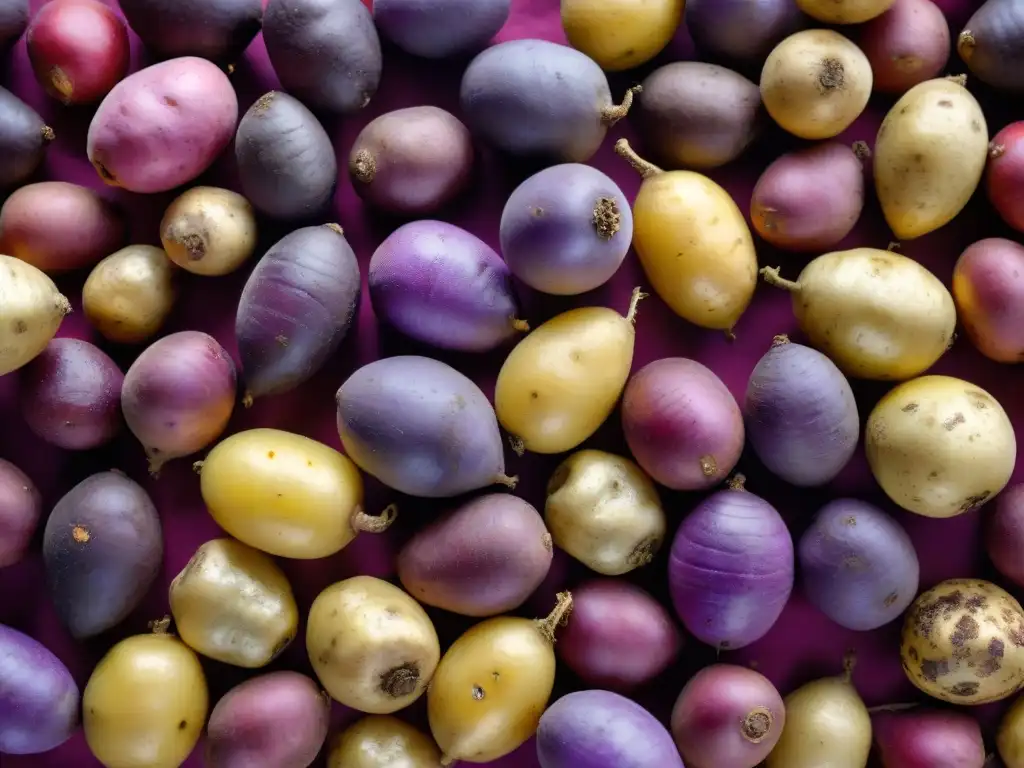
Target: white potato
31,310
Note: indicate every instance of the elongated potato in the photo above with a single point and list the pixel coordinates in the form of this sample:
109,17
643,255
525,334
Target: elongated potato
930,154
940,446
877,314
31,310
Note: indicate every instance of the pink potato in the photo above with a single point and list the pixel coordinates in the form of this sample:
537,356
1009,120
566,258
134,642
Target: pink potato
988,288
20,507
906,45
928,738
1004,175
163,126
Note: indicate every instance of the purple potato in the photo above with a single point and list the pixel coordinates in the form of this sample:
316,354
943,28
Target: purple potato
325,52
421,428
23,140
443,286
857,565
102,548
437,29
731,569
801,418
992,44
20,507
1004,534
538,98
71,395
38,697
742,32
13,20
295,309
566,230
411,161
483,558
286,162
178,395
601,729
219,30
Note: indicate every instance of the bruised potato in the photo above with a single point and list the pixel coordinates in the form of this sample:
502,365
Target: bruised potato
963,642
604,511
815,83
233,604
940,446
383,741
129,294
209,231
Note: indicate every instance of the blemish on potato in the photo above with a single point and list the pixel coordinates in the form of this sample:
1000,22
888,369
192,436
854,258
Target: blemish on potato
400,681
950,424
832,75
933,670
910,408
80,534
964,689
965,630
890,599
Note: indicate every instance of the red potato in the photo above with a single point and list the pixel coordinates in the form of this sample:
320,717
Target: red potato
20,507
906,45
1004,176
988,289
78,49
928,739
56,226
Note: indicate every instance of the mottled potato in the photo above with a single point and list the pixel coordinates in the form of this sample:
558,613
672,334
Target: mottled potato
382,741
129,294
940,446
963,642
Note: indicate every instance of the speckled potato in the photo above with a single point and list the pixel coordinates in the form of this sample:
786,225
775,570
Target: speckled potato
963,642
940,446
844,11
815,83
383,741
129,294
930,155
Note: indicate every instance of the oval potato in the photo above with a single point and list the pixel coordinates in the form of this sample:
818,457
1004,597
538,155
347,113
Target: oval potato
940,446
930,155
31,311
844,11
128,296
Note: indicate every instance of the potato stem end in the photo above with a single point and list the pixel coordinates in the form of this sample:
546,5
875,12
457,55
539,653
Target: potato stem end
363,167
558,616
737,482
772,277
160,626
517,445
849,663
779,340
63,305
960,80
197,467
247,399
634,300
861,150
364,523
48,134
520,325
506,480
612,114
965,43
643,167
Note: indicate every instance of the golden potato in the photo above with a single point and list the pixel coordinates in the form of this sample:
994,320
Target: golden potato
929,157
129,294
844,11
815,83
209,231
963,642
1010,737
31,311
940,446
875,313
383,741
621,34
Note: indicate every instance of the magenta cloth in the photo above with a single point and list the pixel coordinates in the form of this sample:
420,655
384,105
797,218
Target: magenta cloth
803,644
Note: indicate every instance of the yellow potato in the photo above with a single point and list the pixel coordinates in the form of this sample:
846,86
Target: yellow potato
930,155
145,704
129,294
1010,737
382,741
372,647
693,243
815,83
604,511
940,446
233,604
286,494
844,11
492,686
31,310
209,231
877,314
560,383
962,643
621,34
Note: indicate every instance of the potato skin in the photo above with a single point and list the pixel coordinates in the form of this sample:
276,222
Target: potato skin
930,154
438,29
31,311
209,231
815,83
13,20
56,226
697,115
988,288
906,45
130,293
325,52
212,29
990,44
940,446
1010,736
20,508
276,720
740,31
844,11
383,741
963,642
1005,174
620,34
23,140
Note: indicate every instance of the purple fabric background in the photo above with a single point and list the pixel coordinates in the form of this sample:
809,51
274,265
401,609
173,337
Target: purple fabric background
802,645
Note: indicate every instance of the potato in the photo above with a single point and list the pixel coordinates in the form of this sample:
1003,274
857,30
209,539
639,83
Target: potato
604,511
930,154
31,310
440,29
20,509
620,34
24,137
129,294
876,314
940,446
286,494
372,647
963,642
219,30
146,702
1010,737
233,604
209,231
906,45
844,11
815,83
382,741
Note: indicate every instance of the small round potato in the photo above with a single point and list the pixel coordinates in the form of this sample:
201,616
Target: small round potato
815,83
940,446
233,604
129,294
604,511
372,647
962,642
382,741
209,231
844,11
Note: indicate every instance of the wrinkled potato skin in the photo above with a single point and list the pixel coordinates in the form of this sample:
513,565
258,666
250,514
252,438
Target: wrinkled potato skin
382,741
963,642
844,11
940,446
129,294
209,231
